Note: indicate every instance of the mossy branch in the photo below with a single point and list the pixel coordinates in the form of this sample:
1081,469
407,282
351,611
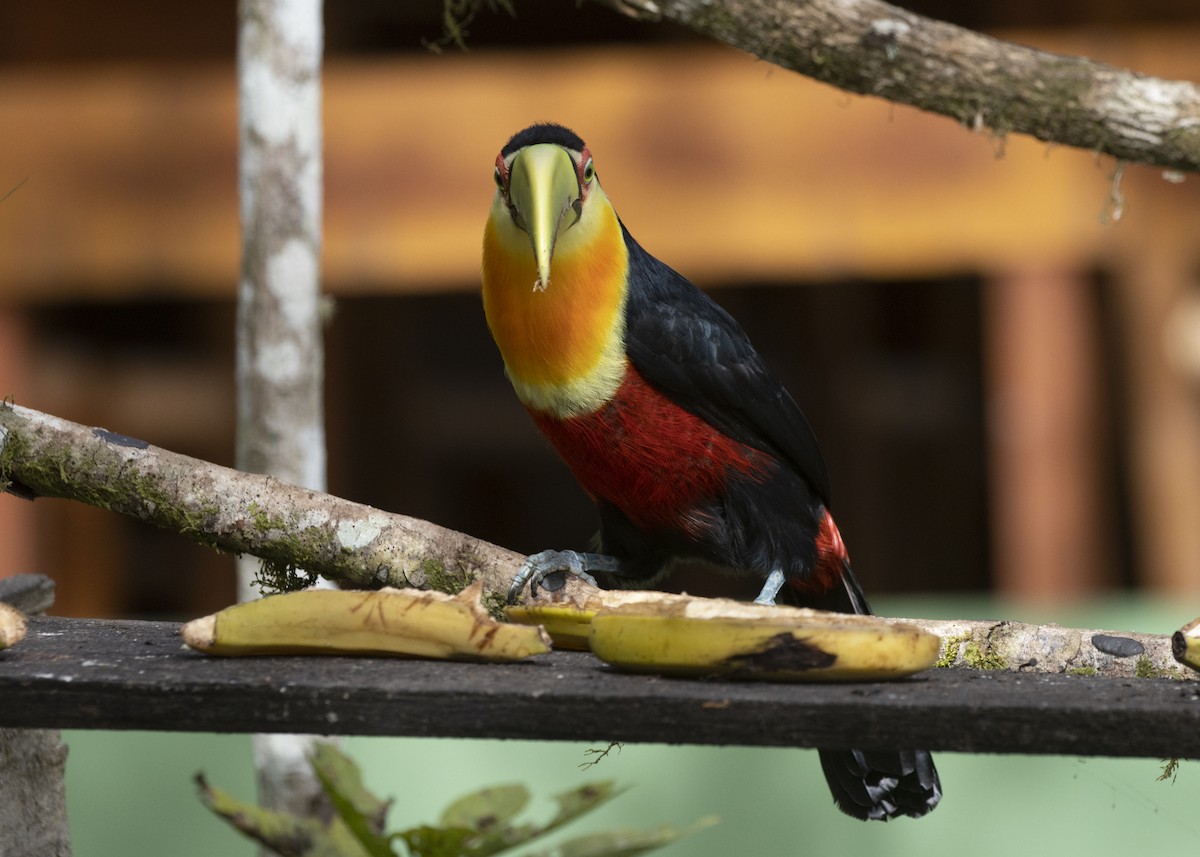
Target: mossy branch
1003,645
244,513
1021,647
249,513
873,48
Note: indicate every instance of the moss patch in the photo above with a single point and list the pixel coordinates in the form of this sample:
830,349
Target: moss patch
9,452
975,656
1145,668
455,576
495,603
1169,770
262,521
274,577
950,649
106,482
294,556
972,654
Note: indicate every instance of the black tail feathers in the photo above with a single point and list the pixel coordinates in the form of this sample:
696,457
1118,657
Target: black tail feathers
875,785
882,785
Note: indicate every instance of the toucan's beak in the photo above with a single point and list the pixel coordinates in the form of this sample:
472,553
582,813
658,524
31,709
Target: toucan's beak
544,190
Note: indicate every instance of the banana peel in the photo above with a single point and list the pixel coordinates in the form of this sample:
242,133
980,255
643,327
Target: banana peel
568,627
1185,644
754,641
12,625
569,623
398,622
668,634
641,631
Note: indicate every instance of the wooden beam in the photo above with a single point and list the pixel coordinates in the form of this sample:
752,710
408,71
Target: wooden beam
729,169
1044,436
1163,403
91,674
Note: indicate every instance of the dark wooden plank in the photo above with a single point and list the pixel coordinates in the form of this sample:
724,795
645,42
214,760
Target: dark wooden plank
135,675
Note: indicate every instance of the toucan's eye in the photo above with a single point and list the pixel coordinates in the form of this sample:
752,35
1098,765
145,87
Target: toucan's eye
589,171
499,179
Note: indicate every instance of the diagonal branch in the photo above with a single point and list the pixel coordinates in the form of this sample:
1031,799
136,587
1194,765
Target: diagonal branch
873,48
251,513
43,455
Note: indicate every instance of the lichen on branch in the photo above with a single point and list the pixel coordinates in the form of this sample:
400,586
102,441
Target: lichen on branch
243,513
296,527
873,48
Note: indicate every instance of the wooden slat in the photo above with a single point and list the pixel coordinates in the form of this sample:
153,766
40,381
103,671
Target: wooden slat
134,675
729,169
1163,407
1045,437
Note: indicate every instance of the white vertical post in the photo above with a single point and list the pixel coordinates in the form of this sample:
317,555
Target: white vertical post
279,355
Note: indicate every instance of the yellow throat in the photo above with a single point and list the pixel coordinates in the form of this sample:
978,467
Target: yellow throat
562,340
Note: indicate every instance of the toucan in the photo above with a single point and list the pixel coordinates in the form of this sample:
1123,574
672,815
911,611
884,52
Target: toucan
689,445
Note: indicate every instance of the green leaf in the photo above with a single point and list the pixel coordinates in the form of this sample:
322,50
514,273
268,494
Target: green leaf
481,824
487,809
428,841
362,813
288,835
478,824
624,843
582,800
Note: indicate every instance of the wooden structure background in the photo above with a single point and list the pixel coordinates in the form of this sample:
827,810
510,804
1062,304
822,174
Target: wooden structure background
1087,409
128,223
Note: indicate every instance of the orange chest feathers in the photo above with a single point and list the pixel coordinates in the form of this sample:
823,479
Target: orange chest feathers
563,345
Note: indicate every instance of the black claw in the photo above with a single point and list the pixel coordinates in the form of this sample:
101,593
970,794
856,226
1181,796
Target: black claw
549,570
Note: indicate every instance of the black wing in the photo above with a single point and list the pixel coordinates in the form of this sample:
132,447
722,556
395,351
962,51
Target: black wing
687,346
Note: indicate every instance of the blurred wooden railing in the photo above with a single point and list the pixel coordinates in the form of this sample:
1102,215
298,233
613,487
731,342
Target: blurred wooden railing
729,169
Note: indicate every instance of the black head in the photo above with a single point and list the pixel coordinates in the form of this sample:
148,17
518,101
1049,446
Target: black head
543,132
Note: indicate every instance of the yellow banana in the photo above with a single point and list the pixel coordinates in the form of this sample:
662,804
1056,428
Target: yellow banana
568,627
1185,644
569,622
703,636
405,622
664,633
12,625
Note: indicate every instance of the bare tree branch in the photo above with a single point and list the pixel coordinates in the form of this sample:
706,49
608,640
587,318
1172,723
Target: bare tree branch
42,455
1021,647
873,48
993,644
260,515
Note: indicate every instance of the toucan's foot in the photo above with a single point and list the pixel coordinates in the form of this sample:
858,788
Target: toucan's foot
770,588
550,568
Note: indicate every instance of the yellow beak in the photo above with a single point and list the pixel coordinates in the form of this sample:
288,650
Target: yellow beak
544,190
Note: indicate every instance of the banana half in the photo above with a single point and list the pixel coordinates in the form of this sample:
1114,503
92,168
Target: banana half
400,622
1185,644
568,627
12,625
569,623
669,634
753,641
